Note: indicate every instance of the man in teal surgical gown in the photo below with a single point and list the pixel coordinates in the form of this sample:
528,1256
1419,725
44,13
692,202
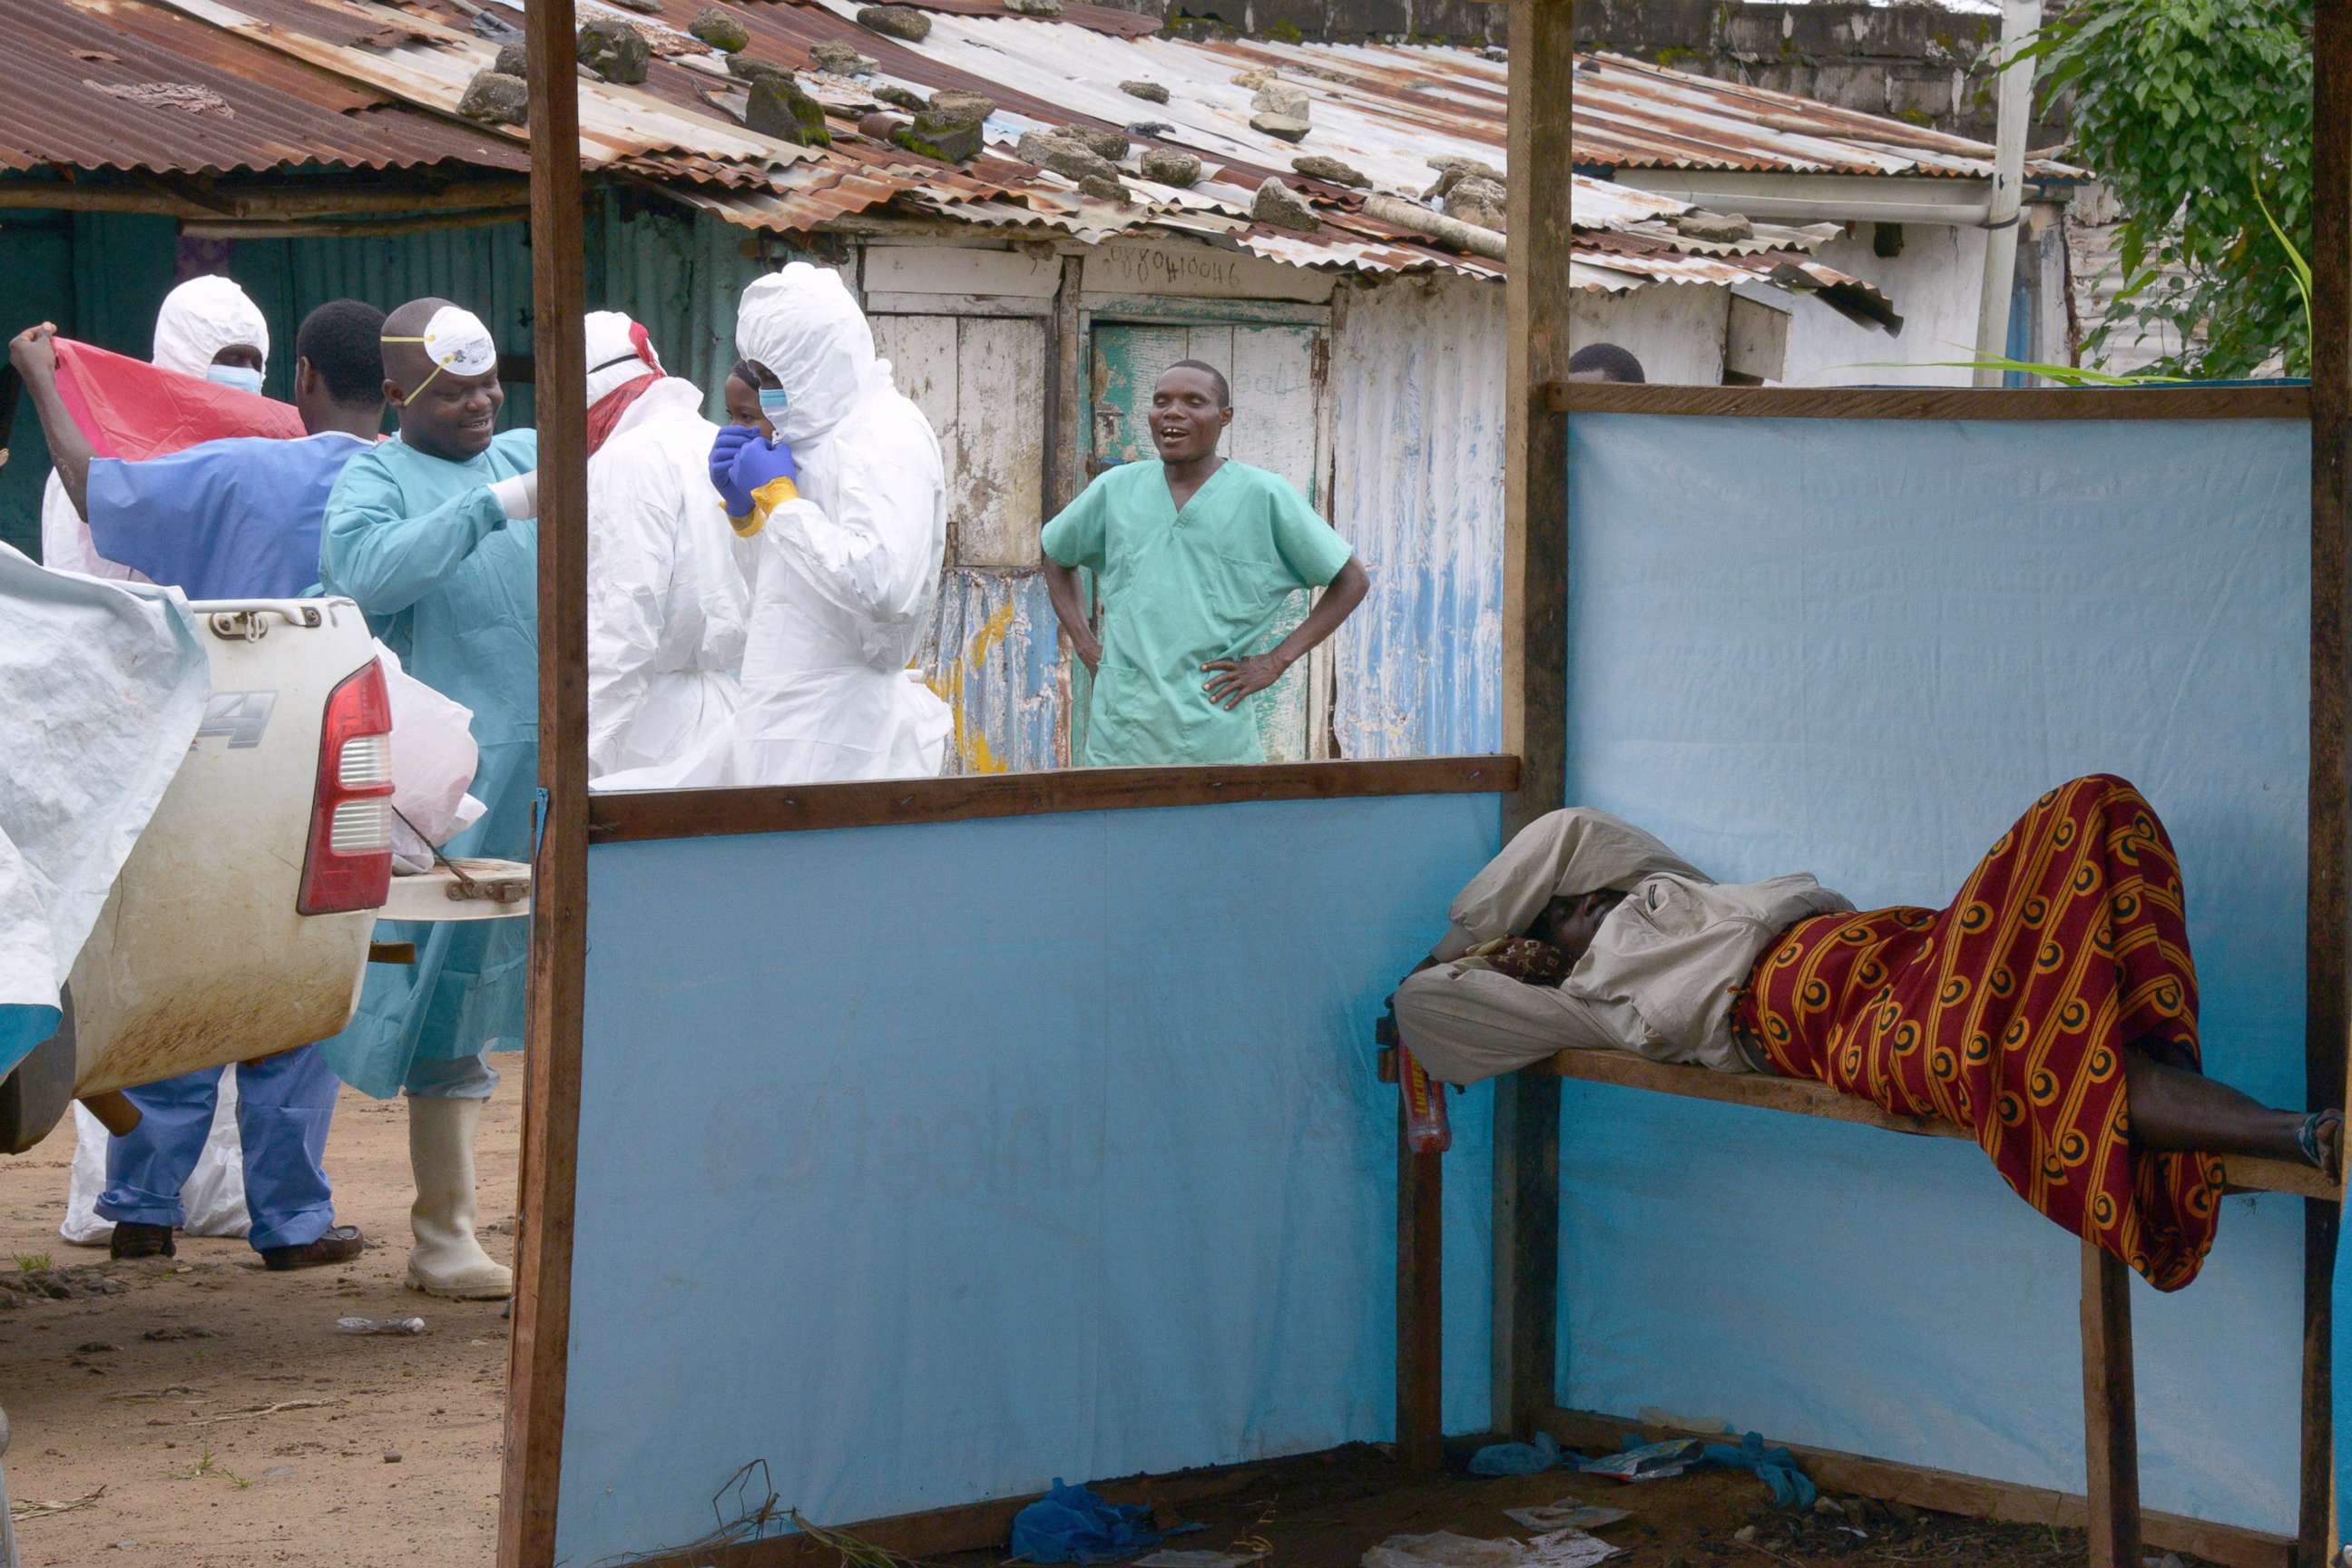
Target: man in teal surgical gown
433,533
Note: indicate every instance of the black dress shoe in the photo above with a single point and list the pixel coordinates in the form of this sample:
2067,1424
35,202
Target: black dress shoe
132,1239
340,1245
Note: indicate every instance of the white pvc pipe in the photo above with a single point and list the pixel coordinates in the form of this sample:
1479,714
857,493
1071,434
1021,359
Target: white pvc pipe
2020,19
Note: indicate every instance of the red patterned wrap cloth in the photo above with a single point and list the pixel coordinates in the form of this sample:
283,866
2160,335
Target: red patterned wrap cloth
2006,1012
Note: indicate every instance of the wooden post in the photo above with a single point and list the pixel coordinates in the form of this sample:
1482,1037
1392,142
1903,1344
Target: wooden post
538,1353
2110,1415
2327,929
1535,667
1421,1239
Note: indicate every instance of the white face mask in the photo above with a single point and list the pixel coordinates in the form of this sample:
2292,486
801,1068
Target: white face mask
236,375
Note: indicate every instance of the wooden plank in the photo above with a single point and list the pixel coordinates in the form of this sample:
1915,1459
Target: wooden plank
2110,1414
2327,917
1930,401
996,500
922,354
1540,302
957,269
1199,271
1806,1097
1419,1303
704,813
1948,1491
539,1352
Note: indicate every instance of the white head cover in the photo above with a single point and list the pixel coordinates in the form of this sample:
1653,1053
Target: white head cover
456,340
803,326
202,317
619,352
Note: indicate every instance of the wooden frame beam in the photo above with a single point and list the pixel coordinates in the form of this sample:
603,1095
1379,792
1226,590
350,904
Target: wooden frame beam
1526,1231
800,809
2328,918
539,1353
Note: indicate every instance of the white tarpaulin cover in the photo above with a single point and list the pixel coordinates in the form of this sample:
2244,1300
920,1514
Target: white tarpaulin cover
101,688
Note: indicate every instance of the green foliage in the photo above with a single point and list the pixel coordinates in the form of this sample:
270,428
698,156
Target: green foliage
2196,115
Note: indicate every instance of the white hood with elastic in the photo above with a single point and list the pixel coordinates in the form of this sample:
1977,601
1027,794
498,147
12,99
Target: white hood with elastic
199,319
846,574
203,316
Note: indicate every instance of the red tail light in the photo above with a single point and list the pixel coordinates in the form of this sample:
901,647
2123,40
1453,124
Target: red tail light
349,866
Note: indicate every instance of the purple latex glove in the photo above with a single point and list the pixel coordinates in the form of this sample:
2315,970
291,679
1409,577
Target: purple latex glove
757,464
723,453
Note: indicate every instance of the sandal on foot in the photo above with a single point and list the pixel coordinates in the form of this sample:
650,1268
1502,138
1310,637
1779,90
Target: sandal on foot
2307,1137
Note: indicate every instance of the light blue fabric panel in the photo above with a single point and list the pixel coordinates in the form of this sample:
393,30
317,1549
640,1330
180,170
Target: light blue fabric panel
929,1162
1860,648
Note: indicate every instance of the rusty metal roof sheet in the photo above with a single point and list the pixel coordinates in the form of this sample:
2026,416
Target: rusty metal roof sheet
399,68
130,85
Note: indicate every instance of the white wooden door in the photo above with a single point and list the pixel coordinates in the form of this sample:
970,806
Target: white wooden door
981,380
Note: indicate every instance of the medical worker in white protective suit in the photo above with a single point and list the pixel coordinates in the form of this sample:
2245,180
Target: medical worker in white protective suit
666,599
848,508
208,329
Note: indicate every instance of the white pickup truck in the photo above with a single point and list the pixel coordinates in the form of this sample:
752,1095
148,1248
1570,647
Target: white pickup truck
240,925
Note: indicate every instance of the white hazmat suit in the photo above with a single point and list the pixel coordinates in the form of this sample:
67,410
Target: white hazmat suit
850,570
667,601
199,319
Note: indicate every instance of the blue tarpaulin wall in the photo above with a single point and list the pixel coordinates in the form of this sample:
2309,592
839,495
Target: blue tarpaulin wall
929,1162
1860,648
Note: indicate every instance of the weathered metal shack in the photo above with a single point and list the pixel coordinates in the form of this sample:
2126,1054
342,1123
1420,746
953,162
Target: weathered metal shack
312,149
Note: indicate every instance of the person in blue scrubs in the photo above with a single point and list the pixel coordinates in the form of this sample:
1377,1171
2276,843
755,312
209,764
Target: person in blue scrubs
230,519
433,533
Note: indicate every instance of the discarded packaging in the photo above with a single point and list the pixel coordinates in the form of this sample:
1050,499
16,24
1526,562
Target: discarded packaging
379,1325
1564,1513
1557,1549
1650,1462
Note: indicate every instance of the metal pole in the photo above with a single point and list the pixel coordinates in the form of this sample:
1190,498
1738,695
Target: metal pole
2020,20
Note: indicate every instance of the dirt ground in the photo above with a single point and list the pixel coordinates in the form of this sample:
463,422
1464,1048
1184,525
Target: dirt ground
1326,1511
205,1412
227,1421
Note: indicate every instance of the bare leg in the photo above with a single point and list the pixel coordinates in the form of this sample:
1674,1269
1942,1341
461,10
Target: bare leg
2172,1108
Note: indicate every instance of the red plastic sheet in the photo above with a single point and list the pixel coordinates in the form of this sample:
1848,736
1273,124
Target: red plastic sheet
131,409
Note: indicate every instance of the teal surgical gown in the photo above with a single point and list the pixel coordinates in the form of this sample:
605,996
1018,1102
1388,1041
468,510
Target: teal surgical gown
1181,589
452,587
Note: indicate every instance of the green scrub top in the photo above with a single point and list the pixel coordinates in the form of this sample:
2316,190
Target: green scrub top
1180,589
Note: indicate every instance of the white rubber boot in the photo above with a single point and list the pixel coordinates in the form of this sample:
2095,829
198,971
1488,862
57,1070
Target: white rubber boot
447,1259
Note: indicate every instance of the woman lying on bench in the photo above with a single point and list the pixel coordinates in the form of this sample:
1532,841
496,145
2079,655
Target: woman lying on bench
2049,1009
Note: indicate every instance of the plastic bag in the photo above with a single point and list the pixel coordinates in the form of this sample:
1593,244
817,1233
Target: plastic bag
214,1196
433,762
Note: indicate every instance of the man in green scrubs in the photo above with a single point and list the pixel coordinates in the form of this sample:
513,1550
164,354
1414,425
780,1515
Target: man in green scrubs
1195,554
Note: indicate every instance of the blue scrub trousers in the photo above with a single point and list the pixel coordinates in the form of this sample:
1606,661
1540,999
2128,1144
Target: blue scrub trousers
283,1106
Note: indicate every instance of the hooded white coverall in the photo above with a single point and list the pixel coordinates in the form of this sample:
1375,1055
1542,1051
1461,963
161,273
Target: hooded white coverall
667,601
199,319
849,569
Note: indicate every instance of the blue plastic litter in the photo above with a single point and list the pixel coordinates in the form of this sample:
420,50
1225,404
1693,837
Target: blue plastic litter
1777,1467
1517,1459
1073,1524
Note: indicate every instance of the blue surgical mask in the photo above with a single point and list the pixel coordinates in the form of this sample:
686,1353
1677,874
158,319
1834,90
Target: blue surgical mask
236,375
773,401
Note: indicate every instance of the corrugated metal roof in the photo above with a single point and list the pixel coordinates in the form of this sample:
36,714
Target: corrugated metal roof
1387,110
128,85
